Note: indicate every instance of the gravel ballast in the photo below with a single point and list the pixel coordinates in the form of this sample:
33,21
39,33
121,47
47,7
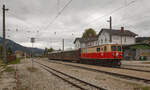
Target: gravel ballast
100,79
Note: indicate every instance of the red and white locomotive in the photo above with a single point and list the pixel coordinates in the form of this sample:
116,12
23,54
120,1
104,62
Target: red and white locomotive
107,54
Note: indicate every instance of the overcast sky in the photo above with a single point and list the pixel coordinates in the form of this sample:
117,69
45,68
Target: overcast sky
32,18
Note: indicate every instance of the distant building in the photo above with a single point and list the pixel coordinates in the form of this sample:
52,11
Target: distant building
85,42
18,53
143,40
107,36
136,52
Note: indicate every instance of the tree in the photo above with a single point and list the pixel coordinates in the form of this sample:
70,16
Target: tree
45,51
50,50
1,50
9,52
59,49
88,33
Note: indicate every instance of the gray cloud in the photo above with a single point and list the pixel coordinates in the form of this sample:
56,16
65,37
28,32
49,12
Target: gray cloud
32,18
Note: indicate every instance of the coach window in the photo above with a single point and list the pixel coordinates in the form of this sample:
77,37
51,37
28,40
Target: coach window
125,39
105,48
98,49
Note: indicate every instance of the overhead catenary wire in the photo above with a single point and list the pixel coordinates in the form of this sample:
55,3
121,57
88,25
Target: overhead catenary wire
59,13
112,12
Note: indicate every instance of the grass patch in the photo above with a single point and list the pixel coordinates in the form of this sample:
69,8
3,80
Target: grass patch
9,69
145,62
32,69
140,47
142,88
17,61
99,78
24,88
74,70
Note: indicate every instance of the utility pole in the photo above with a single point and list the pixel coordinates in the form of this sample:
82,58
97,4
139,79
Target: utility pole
4,47
110,23
63,44
110,26
122,30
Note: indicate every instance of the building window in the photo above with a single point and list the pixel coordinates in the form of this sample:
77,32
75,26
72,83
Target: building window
105,40
101,40
125,39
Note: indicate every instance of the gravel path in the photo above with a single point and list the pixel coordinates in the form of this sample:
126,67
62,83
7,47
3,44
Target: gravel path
39,79
7,81
102,80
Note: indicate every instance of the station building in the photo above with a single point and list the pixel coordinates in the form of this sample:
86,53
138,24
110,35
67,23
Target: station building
107,36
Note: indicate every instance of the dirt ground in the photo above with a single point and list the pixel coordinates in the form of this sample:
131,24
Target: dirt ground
36,78
7,77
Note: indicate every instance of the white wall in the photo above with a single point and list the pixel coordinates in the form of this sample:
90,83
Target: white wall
126,40
77,44
93,43
104,38
83,45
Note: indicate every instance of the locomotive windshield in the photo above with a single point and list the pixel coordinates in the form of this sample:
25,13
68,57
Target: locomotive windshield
116,48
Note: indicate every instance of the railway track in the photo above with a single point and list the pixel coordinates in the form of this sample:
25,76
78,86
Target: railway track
70,79
126,68
134,69
128,77
136,66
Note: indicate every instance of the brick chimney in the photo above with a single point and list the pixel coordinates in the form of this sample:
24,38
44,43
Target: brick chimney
122,29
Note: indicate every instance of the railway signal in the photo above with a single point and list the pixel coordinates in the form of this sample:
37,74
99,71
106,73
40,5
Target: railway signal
32,41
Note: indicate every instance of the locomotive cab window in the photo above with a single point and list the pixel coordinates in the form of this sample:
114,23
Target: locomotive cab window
98,49
113,48
118,48
105,48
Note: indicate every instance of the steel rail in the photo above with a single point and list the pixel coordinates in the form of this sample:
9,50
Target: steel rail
134,69
136,66
47,68
147,81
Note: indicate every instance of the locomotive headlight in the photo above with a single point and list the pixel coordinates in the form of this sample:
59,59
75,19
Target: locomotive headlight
112,54
121,54
117,54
